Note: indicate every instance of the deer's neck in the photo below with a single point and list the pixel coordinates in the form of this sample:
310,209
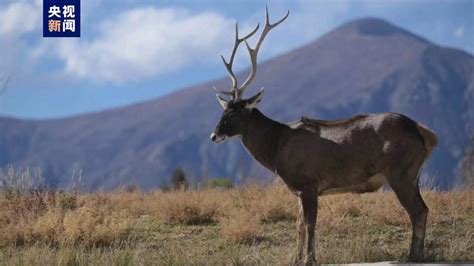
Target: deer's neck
262,138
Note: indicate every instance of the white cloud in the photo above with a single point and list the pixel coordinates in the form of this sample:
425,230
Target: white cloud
145,42
459,32
20,17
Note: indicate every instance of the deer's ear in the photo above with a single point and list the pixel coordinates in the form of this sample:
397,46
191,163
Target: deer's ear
254,100
221,101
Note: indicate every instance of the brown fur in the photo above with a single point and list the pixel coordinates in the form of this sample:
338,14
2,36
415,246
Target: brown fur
359,154
317,157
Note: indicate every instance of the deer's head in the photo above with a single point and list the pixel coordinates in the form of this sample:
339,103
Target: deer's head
237,110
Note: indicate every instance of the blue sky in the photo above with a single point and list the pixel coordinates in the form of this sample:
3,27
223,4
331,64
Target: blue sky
134,50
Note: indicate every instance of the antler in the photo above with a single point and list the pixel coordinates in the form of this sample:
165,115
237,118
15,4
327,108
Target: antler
254,52
236,93
228,66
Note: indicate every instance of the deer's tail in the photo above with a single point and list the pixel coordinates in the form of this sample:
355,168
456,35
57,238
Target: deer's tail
429,137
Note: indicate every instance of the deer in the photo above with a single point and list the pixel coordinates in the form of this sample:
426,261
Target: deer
320,157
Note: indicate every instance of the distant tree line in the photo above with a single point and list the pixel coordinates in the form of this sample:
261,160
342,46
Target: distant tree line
179,181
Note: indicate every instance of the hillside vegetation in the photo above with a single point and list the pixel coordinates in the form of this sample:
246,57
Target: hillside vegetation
249,225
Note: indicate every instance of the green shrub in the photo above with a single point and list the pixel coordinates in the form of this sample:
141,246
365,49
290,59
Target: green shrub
222,183
67,201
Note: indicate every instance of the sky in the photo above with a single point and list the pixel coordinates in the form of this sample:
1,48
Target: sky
135,50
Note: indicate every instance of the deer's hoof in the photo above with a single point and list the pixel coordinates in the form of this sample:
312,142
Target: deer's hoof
297,260
310,261
415,258
297,263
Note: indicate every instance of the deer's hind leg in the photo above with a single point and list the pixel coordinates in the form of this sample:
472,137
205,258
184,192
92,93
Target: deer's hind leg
405,186
299,255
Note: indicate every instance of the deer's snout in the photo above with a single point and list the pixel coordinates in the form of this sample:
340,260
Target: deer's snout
213,136
216,138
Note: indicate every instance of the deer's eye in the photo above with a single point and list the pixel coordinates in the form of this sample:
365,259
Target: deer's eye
233,116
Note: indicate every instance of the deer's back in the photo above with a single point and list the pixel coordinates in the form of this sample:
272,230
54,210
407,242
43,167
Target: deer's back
386,126
348,152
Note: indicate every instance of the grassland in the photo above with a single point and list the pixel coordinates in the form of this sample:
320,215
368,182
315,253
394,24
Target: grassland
249,225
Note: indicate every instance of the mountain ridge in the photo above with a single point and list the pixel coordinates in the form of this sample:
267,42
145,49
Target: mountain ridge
368,65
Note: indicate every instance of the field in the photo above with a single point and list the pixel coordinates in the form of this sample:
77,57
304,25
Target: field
249,225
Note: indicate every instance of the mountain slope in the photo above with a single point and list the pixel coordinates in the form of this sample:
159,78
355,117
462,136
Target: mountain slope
367,65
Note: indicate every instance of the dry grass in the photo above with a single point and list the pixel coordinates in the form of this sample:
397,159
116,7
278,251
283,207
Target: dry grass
185,207
251,225
241,226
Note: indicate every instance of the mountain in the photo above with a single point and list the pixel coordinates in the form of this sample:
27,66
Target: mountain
367,65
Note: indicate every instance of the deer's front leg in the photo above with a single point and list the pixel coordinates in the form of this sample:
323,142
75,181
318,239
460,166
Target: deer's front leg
309,201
